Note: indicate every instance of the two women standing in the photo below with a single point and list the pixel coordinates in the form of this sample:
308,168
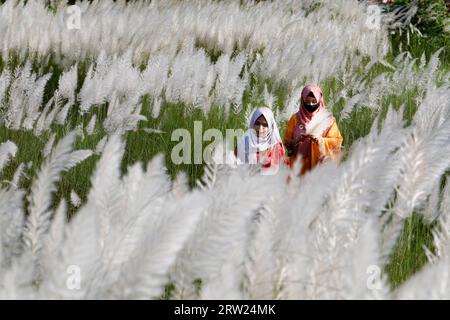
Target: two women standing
312,133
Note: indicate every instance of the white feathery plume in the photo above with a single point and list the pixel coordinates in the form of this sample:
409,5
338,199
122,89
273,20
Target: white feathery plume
105,195
154,77
75,199
441,232
223,287
16,282
146,273
122,117
296,216
25,97
292,104
430,283
260,264
156,107
97,86
50,117
152,130
74,264
431,210
365,278
142,195
101,145
11,225
269,99
336,220
62,159
180,185
424,154
222,229
67,83
17,175
39,126
7,151
54,239
5,80
34,102
319,123
433,281
62,114
230,87
91,125
86,235
445,203
49,145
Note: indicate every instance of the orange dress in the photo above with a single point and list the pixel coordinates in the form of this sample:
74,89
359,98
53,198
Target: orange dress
329,145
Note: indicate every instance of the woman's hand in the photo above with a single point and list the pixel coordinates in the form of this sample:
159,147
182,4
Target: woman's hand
302,137
292,145
313,139
294,142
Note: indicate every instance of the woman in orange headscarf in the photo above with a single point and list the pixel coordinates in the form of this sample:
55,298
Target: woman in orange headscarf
312,132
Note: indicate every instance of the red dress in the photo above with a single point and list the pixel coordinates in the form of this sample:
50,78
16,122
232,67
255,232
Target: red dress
272,156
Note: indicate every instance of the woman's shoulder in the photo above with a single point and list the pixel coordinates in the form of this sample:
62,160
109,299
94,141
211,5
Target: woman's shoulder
332,126
293,118
333,121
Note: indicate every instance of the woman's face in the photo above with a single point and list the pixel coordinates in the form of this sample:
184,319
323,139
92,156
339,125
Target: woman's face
261,126
311,104
310,100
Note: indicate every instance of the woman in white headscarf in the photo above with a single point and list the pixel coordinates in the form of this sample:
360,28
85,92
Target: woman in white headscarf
262,142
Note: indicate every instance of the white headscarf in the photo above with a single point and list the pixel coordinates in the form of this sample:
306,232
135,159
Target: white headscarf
250,143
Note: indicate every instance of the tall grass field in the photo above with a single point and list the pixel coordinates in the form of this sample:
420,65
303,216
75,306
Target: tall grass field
94,206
